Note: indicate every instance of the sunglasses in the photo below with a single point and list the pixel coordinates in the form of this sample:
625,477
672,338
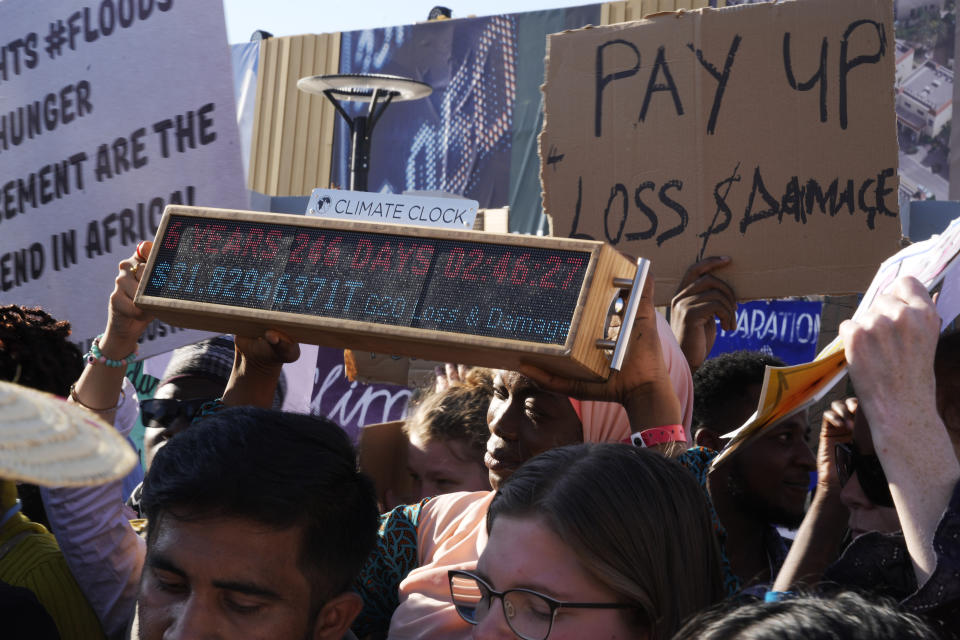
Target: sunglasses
162,412
869,472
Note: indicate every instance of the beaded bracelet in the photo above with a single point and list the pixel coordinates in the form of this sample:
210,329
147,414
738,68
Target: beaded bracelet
76,398
95,355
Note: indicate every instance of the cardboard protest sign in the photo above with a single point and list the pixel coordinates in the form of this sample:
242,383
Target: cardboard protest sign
382,455
370,367
787,390
763,132
111,110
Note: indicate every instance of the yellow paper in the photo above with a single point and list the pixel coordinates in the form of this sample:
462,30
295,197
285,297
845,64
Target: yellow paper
787,390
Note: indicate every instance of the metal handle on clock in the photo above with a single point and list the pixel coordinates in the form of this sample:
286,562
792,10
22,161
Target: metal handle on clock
629,312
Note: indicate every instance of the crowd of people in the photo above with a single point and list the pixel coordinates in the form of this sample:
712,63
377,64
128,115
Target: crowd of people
538,506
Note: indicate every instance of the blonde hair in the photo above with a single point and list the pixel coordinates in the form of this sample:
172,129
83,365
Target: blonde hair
457,413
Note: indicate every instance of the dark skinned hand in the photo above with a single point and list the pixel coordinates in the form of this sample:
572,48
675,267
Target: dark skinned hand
700,297
642,384
257,365
836,427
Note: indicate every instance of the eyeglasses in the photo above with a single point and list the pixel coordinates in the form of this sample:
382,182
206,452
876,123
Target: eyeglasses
869,472
528,613
163,411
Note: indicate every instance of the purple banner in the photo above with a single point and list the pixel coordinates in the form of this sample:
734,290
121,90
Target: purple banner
352,404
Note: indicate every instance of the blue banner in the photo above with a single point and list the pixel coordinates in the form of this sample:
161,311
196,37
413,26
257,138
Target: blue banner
788,329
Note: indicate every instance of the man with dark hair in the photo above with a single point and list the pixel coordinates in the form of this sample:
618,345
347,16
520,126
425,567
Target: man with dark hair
726,391
765,483
258,524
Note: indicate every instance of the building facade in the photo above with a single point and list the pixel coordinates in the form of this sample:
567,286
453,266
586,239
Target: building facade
925,100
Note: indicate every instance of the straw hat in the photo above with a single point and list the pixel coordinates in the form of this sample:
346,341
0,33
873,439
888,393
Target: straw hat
47,441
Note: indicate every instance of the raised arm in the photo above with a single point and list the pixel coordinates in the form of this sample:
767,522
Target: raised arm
818,540
91,524
257,365
642,385
891,351
98,387
700,298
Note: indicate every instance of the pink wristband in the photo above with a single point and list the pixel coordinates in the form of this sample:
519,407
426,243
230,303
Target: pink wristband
659,435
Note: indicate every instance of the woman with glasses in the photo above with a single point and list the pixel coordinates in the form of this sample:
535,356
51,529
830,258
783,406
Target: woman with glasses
602,540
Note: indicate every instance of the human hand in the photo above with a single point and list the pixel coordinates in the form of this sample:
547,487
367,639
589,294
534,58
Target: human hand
701,296
642,384
268,352
836,427
817,542
450,375
257,365
890,352
125,321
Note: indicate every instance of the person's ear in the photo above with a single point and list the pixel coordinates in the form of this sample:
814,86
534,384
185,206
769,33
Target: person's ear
336,616
708,438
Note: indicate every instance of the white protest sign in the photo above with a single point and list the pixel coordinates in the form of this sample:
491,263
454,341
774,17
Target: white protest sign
109,111
445,213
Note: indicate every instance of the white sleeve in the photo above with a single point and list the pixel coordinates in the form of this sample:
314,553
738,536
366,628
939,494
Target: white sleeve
104,553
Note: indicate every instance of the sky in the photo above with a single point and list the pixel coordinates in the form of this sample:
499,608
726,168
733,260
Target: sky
294,17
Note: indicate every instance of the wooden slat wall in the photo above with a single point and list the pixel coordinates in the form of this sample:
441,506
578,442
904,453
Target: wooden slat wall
627,10
292,140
